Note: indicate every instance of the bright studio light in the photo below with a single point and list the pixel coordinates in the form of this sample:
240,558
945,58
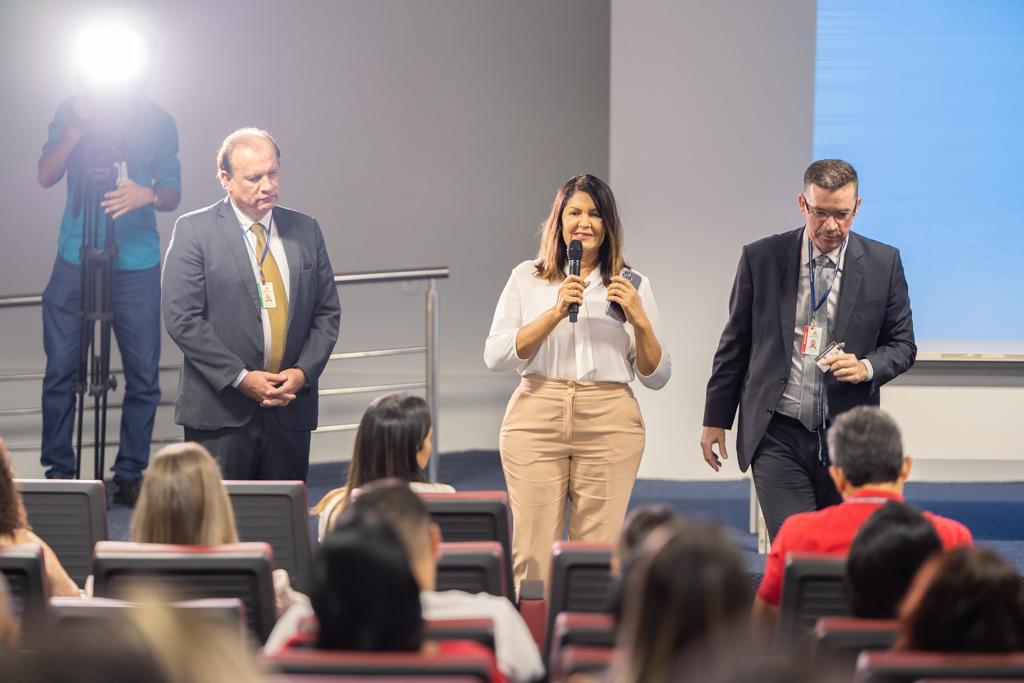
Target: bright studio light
110,55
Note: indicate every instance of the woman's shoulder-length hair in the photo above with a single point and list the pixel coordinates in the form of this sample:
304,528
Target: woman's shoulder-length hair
551,258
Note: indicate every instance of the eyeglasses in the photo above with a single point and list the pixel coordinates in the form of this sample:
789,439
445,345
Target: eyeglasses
824,214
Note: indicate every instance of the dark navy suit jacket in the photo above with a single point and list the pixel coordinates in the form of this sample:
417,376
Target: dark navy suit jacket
752,363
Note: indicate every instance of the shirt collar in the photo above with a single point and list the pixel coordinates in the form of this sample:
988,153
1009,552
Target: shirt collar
245,222
869,492
805,239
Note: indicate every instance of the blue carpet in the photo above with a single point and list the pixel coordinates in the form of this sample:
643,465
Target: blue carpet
993,512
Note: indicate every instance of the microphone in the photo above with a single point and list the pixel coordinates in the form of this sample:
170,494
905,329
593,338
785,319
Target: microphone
574,252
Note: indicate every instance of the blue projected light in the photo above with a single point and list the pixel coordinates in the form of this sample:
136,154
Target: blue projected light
926,99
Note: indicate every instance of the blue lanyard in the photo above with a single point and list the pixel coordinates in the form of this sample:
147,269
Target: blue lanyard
815,302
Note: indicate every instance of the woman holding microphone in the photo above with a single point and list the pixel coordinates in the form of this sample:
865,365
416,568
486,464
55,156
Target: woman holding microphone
572,430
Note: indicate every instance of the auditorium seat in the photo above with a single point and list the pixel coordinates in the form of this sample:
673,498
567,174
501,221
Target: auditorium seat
276,513
477,567
182,572
812,588
582,659
477,630
364,665
23,568
839,640
906,667
68,616
474,516
70,515
580,576
575,629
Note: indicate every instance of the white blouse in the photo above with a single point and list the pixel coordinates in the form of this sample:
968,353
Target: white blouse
597,348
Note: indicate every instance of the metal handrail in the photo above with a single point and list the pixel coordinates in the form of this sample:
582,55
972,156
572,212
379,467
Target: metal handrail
429,349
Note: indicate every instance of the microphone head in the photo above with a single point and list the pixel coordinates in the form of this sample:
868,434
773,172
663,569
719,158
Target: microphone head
575,250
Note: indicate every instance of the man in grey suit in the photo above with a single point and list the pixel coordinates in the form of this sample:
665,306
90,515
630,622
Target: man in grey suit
249,297
794,293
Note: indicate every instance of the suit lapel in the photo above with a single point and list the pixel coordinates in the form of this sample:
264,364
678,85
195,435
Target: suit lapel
789,271
228,223
294,256
849,287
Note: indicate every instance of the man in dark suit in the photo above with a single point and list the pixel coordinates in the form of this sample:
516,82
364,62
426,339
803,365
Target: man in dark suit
249,297
794,293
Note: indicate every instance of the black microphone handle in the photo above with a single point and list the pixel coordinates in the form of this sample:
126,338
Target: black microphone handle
574,309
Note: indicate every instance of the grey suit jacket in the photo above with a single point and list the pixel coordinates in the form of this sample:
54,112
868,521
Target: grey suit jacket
211,310
751,366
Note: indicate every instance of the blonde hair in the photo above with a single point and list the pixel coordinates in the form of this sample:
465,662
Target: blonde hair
190,648
183,500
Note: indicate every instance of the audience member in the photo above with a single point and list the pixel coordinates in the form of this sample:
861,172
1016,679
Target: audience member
967,600
183,502
394,502
393,441
884,557
637,526
686,606
365,595
15,529
869,469
191,648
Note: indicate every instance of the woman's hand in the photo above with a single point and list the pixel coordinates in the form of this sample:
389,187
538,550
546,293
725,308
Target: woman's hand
570,292
622,292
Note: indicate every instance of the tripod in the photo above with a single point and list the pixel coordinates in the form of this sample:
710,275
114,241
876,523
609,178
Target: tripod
97,255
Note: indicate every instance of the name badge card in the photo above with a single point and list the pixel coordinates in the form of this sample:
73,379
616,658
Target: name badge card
811,343
267,299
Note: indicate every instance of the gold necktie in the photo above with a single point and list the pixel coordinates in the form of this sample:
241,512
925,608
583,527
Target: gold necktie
269,273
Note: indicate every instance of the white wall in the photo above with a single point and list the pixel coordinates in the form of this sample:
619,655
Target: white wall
711,129
419,133
711,112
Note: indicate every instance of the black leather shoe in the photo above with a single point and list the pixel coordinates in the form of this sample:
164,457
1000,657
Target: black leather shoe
126,491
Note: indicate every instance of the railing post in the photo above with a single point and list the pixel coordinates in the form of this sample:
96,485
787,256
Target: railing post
433,330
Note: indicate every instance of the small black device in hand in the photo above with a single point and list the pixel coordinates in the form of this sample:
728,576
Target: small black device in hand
614,309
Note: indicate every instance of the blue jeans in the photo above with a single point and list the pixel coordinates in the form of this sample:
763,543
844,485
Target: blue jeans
136,304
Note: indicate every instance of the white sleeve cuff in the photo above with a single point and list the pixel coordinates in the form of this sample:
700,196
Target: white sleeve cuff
661,374
241,376
871,370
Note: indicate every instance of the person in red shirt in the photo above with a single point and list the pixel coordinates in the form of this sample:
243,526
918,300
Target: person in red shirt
868,469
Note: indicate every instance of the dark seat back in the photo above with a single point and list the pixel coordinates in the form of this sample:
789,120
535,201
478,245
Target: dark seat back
71,616
477,567
579,629
70,515
812,588
241,570
841,639
276,513
22,566
580,577
373,664
474,516
906,666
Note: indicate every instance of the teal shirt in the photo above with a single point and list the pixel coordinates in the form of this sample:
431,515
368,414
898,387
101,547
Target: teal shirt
147,139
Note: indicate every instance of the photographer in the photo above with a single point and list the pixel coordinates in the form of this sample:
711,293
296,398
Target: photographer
90,135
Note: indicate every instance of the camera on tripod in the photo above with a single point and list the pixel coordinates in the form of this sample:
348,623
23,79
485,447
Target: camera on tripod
100,169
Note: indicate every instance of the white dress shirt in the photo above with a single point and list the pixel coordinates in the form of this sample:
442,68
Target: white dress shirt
790,402
277,250
597,348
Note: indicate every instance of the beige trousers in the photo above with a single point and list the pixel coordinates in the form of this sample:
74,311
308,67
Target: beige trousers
562,441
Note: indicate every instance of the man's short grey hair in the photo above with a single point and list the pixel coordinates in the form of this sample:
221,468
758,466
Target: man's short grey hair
830,174
865,443
240,137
